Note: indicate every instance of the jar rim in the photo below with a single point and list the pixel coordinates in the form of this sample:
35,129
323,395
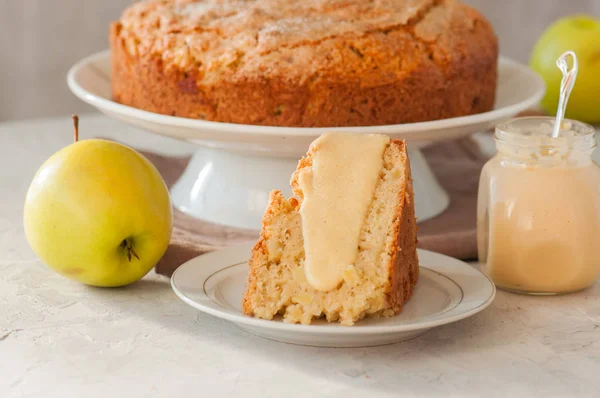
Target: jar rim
581,137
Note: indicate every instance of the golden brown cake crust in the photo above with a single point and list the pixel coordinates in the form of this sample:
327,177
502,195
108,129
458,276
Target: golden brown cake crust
403,263
310,63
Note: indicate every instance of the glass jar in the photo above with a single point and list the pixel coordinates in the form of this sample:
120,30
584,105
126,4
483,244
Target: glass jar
538,210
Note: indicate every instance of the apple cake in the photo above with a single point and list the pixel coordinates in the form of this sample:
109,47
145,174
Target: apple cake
309,63
345,246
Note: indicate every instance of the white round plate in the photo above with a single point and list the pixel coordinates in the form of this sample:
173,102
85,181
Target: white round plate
448,290
519,88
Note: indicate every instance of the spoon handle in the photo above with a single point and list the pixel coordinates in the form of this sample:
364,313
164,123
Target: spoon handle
566,86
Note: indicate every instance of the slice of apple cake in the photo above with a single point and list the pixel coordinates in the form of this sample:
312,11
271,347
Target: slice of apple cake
345,246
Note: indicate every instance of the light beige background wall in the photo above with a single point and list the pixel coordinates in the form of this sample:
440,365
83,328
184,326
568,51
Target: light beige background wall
41,39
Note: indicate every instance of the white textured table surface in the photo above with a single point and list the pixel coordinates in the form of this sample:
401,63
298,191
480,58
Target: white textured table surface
61,339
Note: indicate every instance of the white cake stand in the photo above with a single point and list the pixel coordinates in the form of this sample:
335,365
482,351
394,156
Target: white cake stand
236,166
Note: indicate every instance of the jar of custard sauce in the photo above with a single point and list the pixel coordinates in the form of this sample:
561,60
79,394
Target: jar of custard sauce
538,212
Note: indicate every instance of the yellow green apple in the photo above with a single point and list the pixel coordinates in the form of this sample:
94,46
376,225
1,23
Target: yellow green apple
98,212
581,34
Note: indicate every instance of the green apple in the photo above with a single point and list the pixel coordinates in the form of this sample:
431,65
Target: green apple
98,212
580,34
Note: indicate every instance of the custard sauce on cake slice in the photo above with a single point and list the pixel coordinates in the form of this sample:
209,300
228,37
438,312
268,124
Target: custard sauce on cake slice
337,191
345,246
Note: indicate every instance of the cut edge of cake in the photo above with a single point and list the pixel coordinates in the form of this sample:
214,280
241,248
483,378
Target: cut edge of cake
380,282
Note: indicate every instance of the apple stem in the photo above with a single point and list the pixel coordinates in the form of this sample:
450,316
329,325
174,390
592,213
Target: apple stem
130,250
75,127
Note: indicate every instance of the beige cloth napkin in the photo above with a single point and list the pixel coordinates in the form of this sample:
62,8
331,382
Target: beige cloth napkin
456,164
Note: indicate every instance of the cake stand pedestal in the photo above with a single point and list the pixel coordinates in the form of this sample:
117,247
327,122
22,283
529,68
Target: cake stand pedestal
232,188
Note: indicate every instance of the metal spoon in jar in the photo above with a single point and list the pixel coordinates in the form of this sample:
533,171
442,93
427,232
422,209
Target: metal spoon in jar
566,86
